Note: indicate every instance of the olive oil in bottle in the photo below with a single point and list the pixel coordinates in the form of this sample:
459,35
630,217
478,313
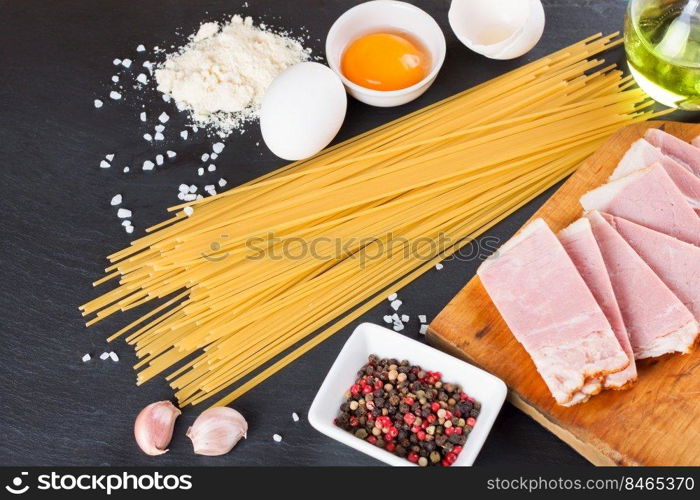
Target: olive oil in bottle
662,42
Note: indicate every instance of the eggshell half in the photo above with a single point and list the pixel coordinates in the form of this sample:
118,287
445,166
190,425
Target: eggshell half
302,110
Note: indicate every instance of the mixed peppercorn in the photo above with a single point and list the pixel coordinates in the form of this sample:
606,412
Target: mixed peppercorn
408,411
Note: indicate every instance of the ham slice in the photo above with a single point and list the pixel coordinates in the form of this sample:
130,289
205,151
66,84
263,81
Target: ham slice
656,320
650,198
642,154
684,153
552,313
580,244
676,262
696,142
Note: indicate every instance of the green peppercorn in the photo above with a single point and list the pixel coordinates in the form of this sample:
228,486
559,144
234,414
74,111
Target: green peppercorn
361,433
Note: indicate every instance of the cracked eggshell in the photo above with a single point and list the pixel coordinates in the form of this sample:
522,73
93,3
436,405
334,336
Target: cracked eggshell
497,29
302,110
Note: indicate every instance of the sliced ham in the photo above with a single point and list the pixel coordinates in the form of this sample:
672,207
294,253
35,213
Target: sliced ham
684,153
650,198
552,313
642,154
676,262
656,320
696,142
580,244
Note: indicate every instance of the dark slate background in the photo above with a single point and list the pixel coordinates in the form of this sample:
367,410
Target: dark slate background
57,227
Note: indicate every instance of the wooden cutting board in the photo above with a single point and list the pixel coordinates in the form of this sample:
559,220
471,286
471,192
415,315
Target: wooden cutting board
657,422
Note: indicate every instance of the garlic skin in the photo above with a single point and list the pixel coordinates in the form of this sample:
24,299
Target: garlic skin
498,29
153,428
217,430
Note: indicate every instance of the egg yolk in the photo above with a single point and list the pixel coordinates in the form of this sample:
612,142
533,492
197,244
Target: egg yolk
384,61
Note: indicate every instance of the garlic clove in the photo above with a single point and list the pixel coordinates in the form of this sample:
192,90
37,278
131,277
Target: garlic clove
217,430
498,29
153,428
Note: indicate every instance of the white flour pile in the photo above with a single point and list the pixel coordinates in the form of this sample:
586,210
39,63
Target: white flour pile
221,74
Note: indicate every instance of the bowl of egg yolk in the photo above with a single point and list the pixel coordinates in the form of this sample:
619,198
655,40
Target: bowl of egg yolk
386,52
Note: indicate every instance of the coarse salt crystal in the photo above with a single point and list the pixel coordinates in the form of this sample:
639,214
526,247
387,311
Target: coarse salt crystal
158,136
189,197
188,211
166,97
200,171
116,200
193,188
183,134
439,266
392,297
104,164
123,213
110,157
180,196
128,229
398,327
159,159
115,95
395,304
423,329
204,157
163,118
277,438
222,182
213,156
211,168
295,417
171,154
126,170
126,62
143,116
184,188
104,356
148,65
115,78
387,319
159,128
405,318
218,147
148,165
117,62
199,197
140,48
98,103
126,222
114,356
86,358
148,137
142,78
422,318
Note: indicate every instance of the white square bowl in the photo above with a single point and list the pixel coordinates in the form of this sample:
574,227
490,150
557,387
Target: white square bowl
369,339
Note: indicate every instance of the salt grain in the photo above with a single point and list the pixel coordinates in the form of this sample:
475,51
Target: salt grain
104,356
128,229
148,137
183,134
142,78
159,159
140,48
392,297
213,156
114,356
422,318
163,118
171,154
98,103
277,438
143,116
110,157
126,223
193,188
166,97
148,165
86,358
115,78
116,200
158,136
117,62
104,164
188,211
423,329
222,182
211,168
439,266
204,157
126,63
189,197
126,170
159,128
200,171
218,147
123,213
148,65
115,95
295,417
395,304
405,318
184,188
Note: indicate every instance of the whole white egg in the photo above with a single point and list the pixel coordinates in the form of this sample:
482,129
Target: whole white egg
302,110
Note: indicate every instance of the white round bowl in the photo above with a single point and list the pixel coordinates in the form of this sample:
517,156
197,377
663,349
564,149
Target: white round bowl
378,15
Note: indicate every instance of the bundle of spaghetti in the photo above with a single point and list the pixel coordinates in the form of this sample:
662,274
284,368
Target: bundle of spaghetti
253,271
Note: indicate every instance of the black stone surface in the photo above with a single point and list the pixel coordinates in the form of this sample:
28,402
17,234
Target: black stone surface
57,227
